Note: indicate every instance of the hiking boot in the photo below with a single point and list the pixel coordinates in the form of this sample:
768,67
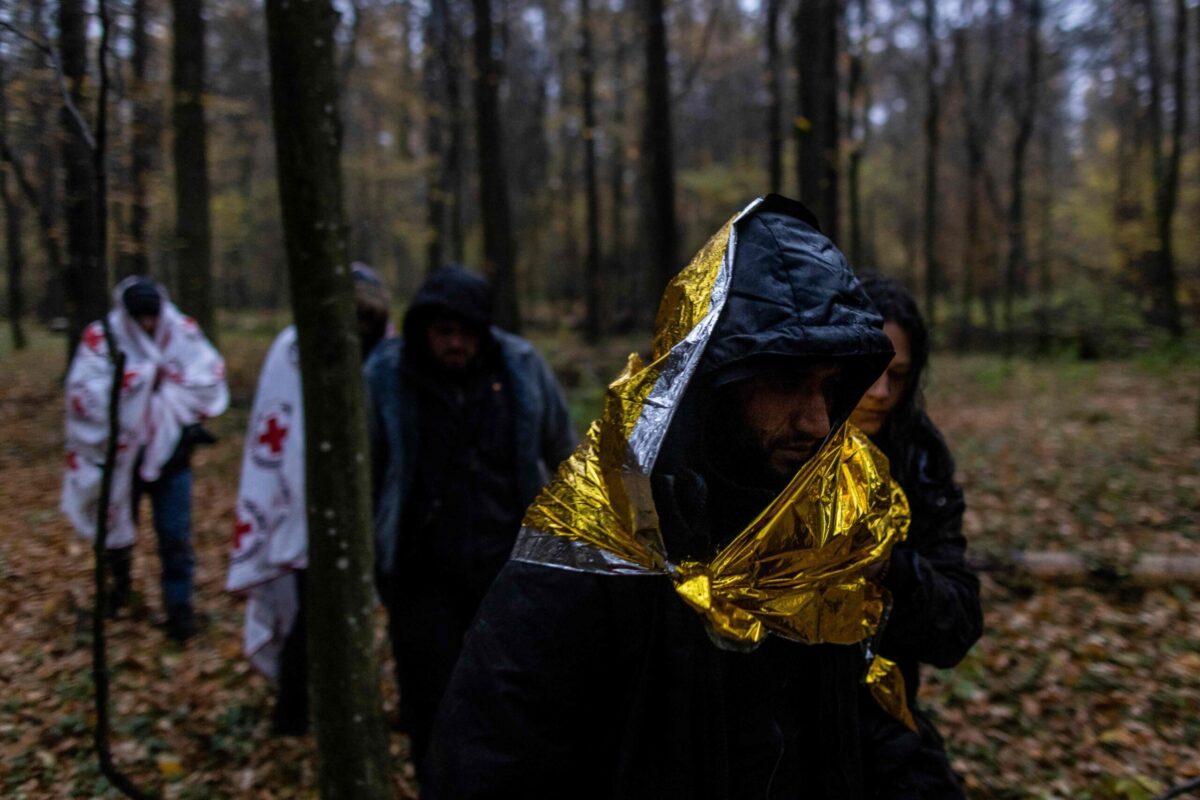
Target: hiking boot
120,567
181,623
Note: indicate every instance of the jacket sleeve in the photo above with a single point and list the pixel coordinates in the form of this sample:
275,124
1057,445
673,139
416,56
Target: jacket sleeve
558,434
376,439
523,714
936,616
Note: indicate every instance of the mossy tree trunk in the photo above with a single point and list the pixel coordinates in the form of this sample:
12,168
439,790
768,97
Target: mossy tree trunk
344,678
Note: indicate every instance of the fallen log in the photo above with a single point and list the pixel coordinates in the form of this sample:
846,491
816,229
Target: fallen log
1150,570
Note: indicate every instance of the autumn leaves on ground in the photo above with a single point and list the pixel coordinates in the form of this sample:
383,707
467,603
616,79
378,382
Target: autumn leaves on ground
1072,693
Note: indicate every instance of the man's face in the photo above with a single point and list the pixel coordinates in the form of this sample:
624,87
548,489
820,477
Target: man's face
148,323
883,396
788,414
453,344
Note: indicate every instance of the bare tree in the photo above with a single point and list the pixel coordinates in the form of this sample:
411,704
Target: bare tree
933,91
774,99
344,679
143,145
818,130
978,118
499,246
16,262
12,231
1165,156
1024,93
658,167
858,125
86,281
592,276
193,237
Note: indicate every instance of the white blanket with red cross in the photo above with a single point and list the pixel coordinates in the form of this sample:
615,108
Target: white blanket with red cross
175,379
270,537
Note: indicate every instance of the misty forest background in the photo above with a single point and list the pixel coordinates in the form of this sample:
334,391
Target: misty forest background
1031,168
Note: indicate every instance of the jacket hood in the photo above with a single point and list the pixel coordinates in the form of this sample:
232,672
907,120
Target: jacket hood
793,300
450,291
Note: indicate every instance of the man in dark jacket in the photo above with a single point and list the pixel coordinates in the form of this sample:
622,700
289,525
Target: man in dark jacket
466,424
623,651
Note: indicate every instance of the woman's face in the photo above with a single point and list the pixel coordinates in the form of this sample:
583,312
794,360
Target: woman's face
877,404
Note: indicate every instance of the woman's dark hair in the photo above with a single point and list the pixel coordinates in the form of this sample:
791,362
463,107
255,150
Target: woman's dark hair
895,304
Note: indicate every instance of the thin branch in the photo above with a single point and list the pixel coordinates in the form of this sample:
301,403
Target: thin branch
52,53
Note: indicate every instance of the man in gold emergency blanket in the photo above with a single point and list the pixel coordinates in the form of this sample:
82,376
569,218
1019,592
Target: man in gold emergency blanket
690,609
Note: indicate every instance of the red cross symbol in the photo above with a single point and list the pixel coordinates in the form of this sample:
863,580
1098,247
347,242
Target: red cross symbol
274,436
93,337
72,460
242,528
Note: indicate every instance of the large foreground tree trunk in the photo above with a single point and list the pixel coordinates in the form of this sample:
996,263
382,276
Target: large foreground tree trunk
344,676
193,240
661,229
499,246
86,278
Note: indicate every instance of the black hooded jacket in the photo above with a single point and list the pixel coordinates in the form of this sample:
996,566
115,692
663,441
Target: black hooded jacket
583,685
936,616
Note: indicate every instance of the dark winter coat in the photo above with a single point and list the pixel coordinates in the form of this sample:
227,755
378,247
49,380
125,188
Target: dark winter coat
583,685
542,434
936,616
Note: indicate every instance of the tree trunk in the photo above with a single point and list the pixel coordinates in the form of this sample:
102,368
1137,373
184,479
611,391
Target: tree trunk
859,126
193,239
344,675
661,232
16,262
86,278
499,246
774,100
10,198
592,275
1029,13
435,79
623,279
932,134
143,146
816,25
1164,308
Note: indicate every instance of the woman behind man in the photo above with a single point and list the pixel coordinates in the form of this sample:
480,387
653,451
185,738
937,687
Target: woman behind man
936,616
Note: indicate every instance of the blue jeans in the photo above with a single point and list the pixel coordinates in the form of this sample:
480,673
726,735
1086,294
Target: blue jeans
171,502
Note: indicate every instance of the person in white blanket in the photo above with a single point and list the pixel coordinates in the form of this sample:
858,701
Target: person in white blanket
270,540
173,380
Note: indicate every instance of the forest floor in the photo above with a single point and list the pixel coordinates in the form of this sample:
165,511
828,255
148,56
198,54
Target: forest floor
1072,693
